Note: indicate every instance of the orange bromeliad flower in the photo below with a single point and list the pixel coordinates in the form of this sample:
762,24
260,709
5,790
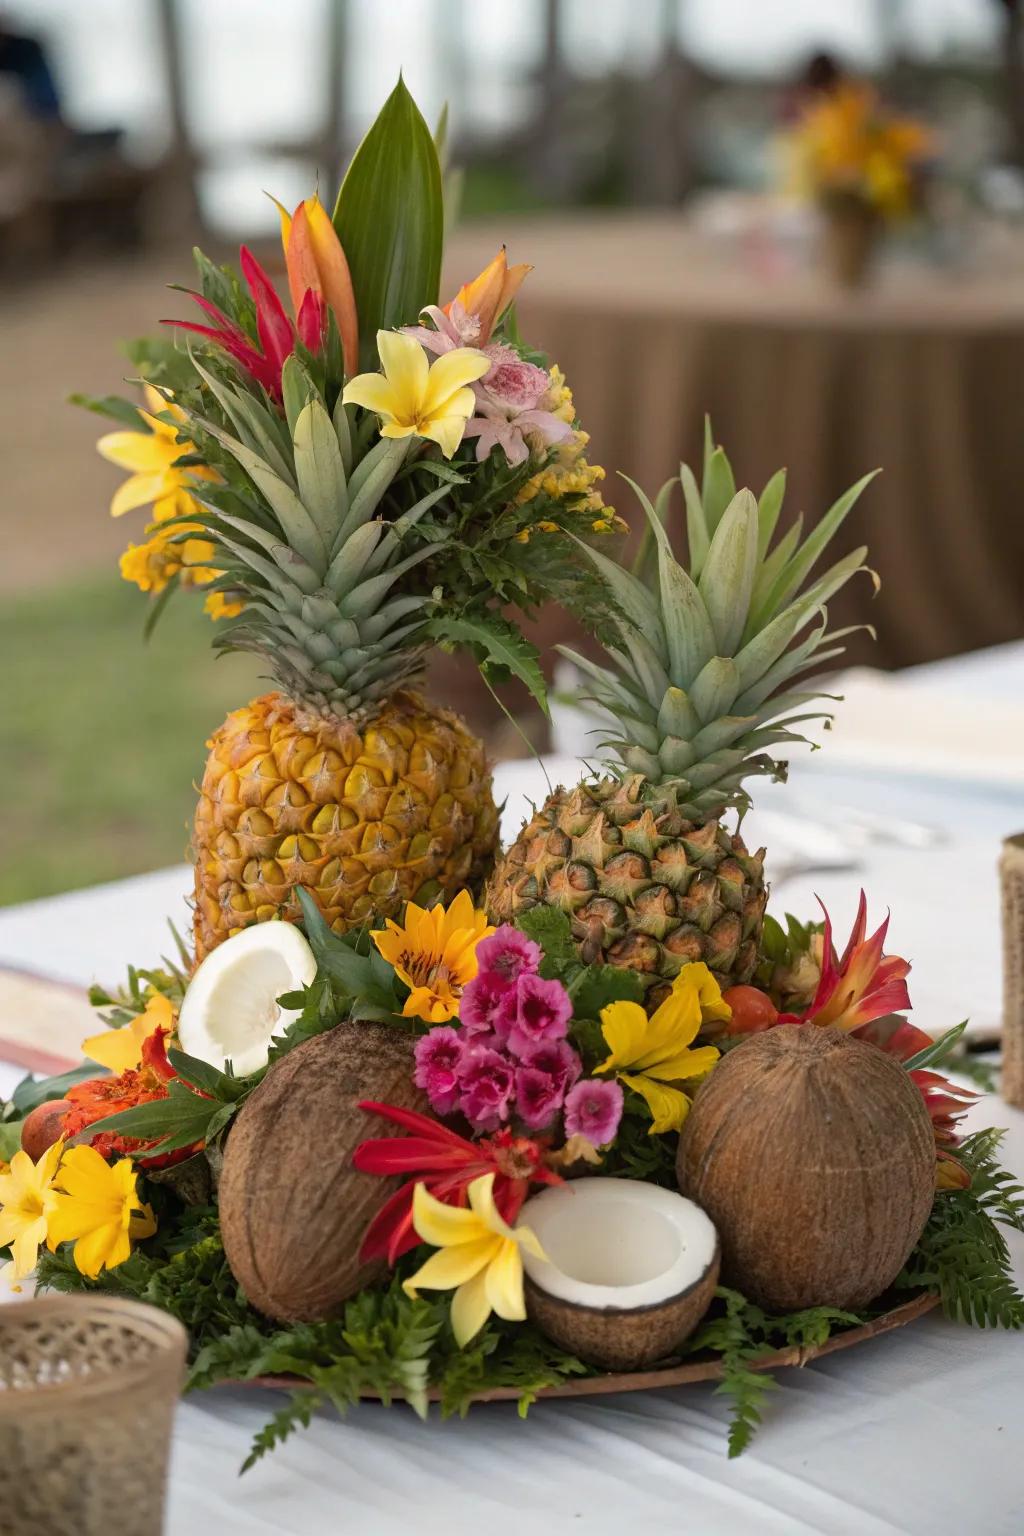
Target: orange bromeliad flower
855,988
488,296
100,1097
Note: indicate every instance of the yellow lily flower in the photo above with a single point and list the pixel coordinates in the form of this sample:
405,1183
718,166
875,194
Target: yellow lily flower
416,398
151,565
479,1258
151,456
121,1049
316,262
27,1201
651,1055
434,953
98,1208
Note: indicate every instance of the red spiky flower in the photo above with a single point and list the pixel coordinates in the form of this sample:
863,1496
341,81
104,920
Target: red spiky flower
277,334
446,1164
860,985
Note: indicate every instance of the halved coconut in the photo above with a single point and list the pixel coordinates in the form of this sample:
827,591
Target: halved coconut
630,1271
230,1011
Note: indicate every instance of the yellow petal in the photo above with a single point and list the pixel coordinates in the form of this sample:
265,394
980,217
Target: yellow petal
142,1223
470,1309
624,1026
136,492
449,1267
446,431
25,1247
98,1247
668,1106
451,373
406,369
372,391
134,450
440,1224
503,1280
684,1065
481,1201
118,1049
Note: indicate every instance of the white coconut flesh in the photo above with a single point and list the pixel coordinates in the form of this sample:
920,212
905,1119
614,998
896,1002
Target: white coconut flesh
230,1011
617,1243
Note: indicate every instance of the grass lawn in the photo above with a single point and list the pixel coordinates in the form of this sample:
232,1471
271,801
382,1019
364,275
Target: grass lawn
102,733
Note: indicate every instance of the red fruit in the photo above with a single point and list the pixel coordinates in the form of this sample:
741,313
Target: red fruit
752,1010
43,1127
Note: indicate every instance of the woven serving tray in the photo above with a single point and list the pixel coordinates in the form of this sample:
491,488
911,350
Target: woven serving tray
672,1375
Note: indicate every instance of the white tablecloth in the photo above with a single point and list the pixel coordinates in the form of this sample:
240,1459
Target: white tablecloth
916,1432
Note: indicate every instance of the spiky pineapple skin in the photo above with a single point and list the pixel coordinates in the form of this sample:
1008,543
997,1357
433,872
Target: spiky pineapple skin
645,888
365,818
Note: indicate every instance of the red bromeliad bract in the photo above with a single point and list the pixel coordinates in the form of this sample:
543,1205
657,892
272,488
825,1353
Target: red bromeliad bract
277,334
446,1164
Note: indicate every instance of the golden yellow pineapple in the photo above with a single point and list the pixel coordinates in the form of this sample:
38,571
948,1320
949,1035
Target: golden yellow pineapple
344,781
364,819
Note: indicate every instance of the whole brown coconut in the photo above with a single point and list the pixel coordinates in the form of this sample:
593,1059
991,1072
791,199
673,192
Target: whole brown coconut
813,1154
42,1127
293,1210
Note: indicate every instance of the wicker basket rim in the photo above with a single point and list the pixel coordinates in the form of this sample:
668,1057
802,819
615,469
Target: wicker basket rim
165,1332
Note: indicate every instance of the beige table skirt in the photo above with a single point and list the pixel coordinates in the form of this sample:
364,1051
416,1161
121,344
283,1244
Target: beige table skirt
919,373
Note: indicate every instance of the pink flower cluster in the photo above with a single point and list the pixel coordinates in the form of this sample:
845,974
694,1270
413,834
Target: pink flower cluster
511,1056
508,412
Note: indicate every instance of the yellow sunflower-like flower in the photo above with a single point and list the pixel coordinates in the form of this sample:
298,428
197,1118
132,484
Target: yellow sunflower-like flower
27,1201
653,1055
152,456
416,398
97,1207
434,953
479,1257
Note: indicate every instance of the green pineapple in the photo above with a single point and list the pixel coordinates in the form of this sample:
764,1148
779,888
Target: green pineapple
706,675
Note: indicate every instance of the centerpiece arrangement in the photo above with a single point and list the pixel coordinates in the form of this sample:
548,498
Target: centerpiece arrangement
861,164
415,1118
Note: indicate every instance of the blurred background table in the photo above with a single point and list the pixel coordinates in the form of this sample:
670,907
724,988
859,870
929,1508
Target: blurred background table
656,322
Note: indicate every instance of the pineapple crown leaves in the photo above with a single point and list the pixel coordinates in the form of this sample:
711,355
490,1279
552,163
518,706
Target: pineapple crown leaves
708,659
299,535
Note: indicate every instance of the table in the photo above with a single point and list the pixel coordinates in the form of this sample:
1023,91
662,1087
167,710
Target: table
654,325
913,1433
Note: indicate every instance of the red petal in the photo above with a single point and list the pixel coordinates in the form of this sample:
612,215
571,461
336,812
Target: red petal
412,1121
272,323
312,320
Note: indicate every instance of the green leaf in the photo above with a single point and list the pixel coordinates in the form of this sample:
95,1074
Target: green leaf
390,221
351,974
939,1050
29,1094
551,929
500,649
598,985
177,1121
113,406
10,1139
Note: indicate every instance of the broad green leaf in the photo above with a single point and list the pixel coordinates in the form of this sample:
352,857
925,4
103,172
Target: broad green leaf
177,1121
390,221
29,1094
118,410
498,646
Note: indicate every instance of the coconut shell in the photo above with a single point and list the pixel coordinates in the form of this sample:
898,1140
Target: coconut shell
814,1156
293,1210
617,1338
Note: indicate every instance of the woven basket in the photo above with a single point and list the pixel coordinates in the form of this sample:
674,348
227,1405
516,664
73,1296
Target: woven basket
1011,872
88,1387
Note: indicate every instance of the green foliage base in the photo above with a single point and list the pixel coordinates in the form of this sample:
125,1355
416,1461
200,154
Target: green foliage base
388,1344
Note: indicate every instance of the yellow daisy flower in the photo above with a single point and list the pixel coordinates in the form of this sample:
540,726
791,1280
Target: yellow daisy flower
434,953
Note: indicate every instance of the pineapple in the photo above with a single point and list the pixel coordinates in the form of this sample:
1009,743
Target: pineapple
344,781
705,674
